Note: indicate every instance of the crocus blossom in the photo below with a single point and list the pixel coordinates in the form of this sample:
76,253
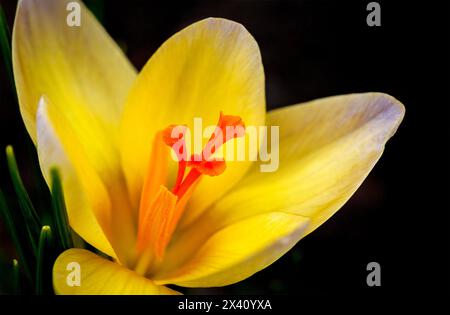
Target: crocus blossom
102,124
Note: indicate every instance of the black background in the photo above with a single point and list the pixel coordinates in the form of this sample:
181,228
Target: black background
311,49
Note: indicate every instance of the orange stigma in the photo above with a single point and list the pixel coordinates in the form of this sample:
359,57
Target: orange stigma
228,127
160,208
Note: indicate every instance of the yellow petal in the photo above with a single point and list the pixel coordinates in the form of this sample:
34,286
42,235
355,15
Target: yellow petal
87,202
98,276
80,69
87,77
238,251
327,148
211,66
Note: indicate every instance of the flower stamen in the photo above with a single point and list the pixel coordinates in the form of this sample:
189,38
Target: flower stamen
161,209
228,127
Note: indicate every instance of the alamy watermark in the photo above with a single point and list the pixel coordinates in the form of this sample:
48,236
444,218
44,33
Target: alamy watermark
73,18
374,17
255,143
373,278
73,278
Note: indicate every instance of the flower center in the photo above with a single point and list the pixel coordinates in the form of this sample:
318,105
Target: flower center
160,208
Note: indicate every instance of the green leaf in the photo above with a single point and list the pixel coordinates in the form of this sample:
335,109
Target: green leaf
16,276
30,217
5,40
44,261
63,230
15,235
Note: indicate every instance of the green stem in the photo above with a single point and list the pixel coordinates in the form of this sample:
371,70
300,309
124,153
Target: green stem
29,215
45,240
5,47
15,235
16,276
59,212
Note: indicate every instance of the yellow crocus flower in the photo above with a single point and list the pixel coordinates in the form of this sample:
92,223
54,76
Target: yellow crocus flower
91,115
